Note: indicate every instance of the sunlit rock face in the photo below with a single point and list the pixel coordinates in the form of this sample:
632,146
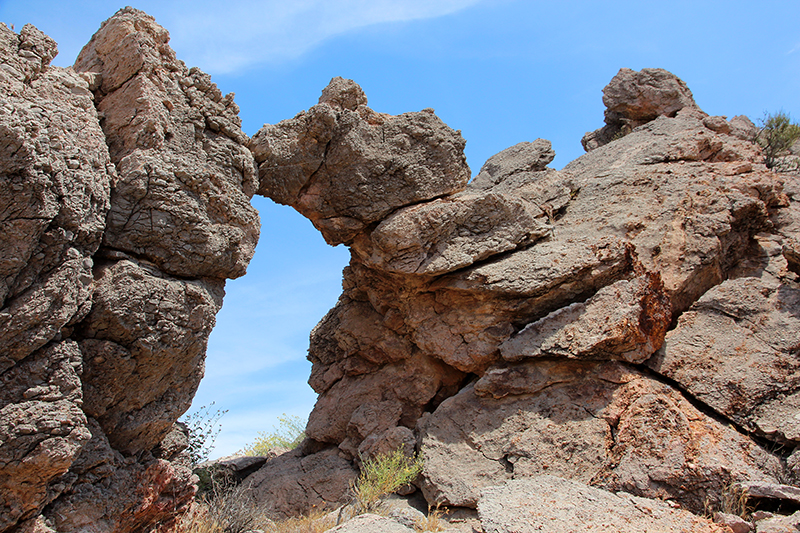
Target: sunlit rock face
575,322
628,322
125,206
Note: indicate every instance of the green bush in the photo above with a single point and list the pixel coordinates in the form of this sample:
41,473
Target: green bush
776,136
383,475
289,434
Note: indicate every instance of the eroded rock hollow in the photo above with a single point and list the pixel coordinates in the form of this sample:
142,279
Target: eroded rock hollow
630,322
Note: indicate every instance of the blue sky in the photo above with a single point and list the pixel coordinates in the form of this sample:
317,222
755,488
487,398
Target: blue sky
501,71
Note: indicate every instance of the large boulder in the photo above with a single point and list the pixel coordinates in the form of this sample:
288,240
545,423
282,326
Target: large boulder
182,199
634,98
345,167
509,323
593,422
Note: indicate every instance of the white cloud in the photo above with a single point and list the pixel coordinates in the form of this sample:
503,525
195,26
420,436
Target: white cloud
246,32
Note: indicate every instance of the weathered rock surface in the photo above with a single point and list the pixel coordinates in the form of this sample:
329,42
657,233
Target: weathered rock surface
182,199
508,323
779,524
593,422
345,166
125,205
372,523
628,322
293,484
634,98
553,504
736,351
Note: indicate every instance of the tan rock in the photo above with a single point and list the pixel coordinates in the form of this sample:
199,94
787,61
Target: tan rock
626,321
42,430
149,331
347,167
445,235
634,98
185,175
735,350
556,505
292,484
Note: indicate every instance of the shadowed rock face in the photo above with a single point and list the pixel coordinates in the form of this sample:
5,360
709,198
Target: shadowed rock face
628,322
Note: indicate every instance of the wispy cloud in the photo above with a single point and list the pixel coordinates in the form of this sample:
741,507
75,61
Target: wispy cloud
228,37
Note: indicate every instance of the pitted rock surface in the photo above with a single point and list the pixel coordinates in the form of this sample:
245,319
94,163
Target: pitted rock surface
117,236
517,325
628,322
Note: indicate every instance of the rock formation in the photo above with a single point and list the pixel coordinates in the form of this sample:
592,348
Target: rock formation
628,323
125,205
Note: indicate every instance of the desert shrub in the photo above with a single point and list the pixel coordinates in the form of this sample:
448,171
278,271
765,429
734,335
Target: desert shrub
289,433
383,475
203,428
776,136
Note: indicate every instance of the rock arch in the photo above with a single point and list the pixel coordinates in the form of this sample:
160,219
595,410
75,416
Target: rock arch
528,321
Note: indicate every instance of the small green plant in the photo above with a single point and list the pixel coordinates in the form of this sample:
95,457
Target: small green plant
381,476
289,434
203,428
776,136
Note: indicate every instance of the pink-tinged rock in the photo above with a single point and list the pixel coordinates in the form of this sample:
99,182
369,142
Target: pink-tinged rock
634,98
42,430
182,199
444,235
736,351
625,321
149,332
593,422
113,493
291,483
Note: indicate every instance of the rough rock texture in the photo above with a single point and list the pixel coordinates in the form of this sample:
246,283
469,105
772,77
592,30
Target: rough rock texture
596,422
345,166
629,322
293,484
372,523
556,505
751,373
634,98
517,327
124,206
185,175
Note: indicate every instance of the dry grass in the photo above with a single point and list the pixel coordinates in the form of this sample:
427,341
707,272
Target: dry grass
315,522
433,521
226,509
734,500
